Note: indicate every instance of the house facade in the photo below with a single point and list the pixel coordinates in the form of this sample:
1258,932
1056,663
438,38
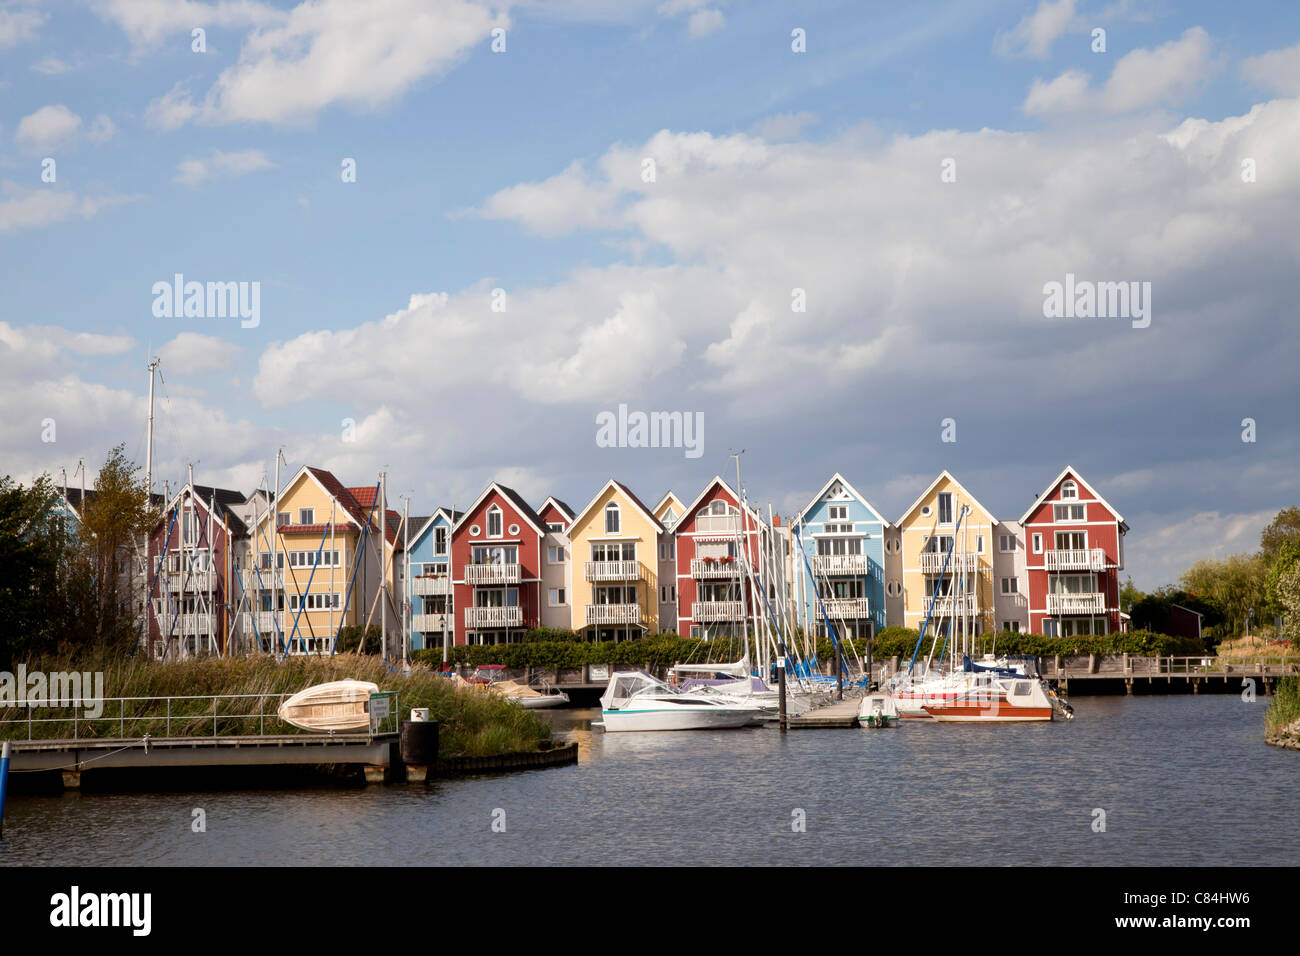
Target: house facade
668,511
496,557
429,591
1074,553
615,540
557,612
944,569
194,553
839,542
716,539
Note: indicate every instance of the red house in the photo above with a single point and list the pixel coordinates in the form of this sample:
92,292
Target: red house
716,538
195,548
1074,551
496,564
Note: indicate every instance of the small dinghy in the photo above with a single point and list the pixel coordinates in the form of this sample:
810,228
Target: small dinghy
336,707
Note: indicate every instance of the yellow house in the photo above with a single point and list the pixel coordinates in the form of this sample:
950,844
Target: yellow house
314,566
943,550
615,542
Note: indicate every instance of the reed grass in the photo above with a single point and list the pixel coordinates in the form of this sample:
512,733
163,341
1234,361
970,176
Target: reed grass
1284,708
472,723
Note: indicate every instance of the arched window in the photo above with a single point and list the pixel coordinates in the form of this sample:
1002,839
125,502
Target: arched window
611,518
1069,490
494,522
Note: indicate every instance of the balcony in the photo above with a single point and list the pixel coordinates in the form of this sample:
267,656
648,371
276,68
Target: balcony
479,574
432,623
1075,559
847,607
612,571
265,622
839,564
433,584
953,605
717,524
1085,603
714,569
709,611
192,581
932,561
485,617
613,614
186,624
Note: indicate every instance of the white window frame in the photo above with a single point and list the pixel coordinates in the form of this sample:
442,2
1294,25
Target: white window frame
1038,543
613,508
495,514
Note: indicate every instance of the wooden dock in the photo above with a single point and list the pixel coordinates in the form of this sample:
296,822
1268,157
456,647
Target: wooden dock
840,714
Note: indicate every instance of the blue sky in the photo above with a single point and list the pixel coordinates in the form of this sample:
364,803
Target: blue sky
520,170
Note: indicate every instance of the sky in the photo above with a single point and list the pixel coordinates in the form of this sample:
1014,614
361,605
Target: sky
824,229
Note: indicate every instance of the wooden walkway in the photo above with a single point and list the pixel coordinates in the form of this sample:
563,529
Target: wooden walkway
841,713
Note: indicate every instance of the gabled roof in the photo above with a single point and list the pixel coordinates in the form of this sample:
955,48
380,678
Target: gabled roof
689,511
420,526
798,519
627,493
225,499
516,499
670,495
930,487
347,500
1070,470
560,505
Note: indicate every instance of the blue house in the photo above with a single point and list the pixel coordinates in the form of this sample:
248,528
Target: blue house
842,538
428,580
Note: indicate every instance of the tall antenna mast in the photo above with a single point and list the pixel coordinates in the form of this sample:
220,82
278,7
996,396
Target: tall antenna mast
148,454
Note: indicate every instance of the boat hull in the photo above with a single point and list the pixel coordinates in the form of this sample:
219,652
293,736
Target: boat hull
681,718
538,703
337,707
987,712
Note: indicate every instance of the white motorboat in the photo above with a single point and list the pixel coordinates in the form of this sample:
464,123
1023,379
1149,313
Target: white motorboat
529,697
634,700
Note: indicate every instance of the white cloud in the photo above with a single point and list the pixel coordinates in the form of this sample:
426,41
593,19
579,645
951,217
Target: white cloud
22,208
18,25
333,52
219,165
1034,35
191,353
784,126
51,66
147,23
1277,71
57,127
1142,79
703,22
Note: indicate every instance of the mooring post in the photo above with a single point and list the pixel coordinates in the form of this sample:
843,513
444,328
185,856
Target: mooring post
5,750
780,681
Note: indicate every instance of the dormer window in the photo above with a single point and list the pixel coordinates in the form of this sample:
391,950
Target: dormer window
611,518
1069,490
945,507
494,522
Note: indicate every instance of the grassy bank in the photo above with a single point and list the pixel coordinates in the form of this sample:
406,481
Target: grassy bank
1284,708
472,723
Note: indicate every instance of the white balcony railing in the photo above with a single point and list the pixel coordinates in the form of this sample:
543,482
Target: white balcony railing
1075,559
430,623
613,614
1087,603
477,574
932,561
839,564
191,581
433,584
847,607
951,605
706,611
612,571
189,624
479,617
714,569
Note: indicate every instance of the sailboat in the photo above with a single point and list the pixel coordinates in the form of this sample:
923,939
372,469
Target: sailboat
634,700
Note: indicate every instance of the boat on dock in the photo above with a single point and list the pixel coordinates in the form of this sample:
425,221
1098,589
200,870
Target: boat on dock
636,701
336,707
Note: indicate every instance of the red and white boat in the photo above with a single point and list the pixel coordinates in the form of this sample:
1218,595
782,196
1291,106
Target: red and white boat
996,699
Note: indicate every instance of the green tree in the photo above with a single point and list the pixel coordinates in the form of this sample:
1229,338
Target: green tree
1129,595
1284,529
33,547
1233,586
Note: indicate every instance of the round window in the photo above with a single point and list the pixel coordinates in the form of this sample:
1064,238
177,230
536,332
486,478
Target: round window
514,529
474,531
925,510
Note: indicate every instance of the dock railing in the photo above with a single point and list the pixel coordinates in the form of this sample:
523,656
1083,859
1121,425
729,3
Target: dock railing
205,715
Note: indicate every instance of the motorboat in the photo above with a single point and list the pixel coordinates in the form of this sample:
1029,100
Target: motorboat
635,700
994,698
877,711
336,707
492,678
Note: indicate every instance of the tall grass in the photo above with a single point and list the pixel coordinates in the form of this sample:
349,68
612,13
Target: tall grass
472,723
1284,709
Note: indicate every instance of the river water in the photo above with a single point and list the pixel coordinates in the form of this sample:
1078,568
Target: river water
1182,780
